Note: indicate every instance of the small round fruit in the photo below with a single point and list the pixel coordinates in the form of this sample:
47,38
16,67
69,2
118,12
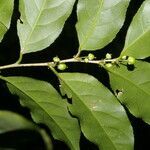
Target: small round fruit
91,56
124,57
56,59
86,60
108,56
62,66
131,60
108,65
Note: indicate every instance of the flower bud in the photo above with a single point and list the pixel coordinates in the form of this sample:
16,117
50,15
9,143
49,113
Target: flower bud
56,59
108,56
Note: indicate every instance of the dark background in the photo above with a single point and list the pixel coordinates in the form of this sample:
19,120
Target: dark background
64,47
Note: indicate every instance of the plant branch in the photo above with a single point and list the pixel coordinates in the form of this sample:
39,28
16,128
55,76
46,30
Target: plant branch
46,64
15,65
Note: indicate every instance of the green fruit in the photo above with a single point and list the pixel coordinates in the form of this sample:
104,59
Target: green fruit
108,65
124,57
131,60
62,66
86,60
56,59
91,56
108,56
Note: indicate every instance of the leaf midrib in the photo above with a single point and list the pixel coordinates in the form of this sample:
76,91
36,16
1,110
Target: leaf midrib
93,24
102,111
134,41
34,25
40,107
89,111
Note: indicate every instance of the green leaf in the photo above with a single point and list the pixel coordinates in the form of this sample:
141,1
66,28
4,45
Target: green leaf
41,22
46,107
134,88
103,120
10,121
137,42
99,21
6,10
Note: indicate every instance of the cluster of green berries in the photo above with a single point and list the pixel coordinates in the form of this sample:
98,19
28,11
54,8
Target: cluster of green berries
108,62
130,60
107,57
60,66
89,57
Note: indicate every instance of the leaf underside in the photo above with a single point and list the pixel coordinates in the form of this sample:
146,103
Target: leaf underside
103,120
6,10
10,121
41,22
134,88
99,21
46,107
137,42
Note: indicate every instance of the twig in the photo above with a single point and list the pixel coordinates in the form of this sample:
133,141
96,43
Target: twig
16,65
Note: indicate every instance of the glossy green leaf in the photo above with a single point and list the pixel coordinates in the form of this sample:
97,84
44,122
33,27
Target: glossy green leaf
10,121
6,10
137,42
103,120
133,88
41,22
99,21
46,107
